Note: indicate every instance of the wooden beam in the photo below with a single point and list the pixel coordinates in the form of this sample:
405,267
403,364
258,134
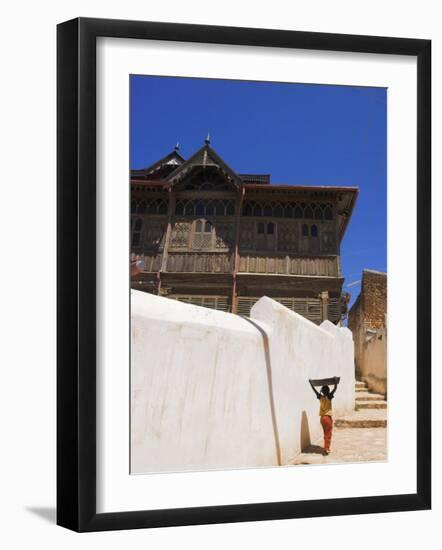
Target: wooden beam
168,230
170,213
324,304
239,203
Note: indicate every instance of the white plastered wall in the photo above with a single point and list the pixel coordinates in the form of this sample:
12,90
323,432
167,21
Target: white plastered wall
214,390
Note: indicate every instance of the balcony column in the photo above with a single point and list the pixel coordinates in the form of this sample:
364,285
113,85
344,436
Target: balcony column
238,212
170,214
324,305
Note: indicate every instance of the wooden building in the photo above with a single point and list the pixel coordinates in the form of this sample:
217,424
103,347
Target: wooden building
212,237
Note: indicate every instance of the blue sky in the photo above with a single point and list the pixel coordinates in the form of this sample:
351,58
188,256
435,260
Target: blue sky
302,134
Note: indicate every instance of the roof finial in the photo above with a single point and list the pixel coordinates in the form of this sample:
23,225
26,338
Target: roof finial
207,140
177,146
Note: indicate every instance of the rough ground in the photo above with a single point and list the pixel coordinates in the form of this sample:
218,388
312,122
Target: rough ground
360,436
349,445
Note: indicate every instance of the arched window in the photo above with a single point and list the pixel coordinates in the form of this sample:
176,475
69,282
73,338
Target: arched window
298,212
162,207
247,209
257,210
314,230
199,210
304,230
189,208
278,211
230,209
179,208
318,213
203,234
219,208
203,226
133,206
142,207
137,231
265,238
288,211
308,213
328,214
152,207
268,210
210,209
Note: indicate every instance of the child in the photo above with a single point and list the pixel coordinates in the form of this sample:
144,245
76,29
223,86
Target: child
326,412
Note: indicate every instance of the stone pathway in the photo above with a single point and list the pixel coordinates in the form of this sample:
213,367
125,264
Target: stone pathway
357,437
349,445
372,418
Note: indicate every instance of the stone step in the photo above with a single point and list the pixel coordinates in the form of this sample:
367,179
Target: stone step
361,389
354,423
367,396
359,384
371,405
373,418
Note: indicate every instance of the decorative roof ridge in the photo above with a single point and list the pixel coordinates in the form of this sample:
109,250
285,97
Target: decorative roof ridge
300,186
161,161
206,149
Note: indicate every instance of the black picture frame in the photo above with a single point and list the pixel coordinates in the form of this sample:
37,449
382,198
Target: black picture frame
76,273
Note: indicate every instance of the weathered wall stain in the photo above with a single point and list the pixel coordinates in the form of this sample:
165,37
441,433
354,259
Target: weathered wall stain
268,364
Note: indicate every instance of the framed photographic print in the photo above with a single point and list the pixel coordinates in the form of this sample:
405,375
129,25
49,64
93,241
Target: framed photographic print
243,274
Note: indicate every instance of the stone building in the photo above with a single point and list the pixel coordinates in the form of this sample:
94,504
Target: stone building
367,320
209,236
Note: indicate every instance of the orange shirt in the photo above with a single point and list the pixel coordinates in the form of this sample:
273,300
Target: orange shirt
325,406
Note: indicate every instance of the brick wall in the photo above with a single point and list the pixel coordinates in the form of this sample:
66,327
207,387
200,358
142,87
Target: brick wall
369,312
374,297
356,325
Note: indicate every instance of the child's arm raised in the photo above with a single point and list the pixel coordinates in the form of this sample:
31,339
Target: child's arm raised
318,395
332,393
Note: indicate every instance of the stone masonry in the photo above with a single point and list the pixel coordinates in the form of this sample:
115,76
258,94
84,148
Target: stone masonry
367,321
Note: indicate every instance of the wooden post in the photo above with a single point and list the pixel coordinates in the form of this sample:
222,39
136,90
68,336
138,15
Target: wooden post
324,305
337,237
239,203
163,266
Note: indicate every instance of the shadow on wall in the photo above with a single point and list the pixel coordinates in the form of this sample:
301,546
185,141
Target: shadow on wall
265,339
306,443
305,432
236,388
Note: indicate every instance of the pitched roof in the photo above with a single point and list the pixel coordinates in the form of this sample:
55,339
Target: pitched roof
172,168
204,157
171,160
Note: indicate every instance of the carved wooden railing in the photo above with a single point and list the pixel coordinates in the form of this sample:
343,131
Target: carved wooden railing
199,262
222,262
327,266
